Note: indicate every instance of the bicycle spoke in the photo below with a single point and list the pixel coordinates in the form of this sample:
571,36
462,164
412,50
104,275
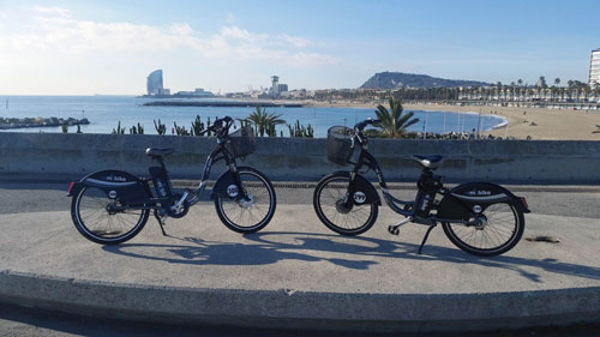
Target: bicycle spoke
95,218
498,231
244,214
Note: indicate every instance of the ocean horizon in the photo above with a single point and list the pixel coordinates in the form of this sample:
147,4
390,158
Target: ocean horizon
105,112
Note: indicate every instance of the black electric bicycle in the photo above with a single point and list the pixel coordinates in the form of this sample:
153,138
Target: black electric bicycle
111,206
480,218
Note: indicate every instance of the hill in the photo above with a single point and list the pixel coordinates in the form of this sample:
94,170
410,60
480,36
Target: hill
393,80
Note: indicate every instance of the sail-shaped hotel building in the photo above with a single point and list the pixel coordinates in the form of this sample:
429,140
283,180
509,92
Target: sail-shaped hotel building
154,84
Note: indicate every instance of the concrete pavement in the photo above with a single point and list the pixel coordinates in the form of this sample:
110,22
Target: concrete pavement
296,273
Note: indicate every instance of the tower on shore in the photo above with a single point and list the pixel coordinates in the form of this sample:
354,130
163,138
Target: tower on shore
275,86
594,67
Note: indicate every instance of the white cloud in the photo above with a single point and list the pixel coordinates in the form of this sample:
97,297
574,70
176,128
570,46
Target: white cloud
57,11
242,34
294,41
55,30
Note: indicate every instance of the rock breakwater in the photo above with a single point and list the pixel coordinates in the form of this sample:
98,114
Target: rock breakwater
18,123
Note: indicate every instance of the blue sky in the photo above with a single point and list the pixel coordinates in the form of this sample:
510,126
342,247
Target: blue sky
109,47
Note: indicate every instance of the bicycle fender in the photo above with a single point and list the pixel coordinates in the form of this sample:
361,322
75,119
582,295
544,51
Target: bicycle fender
116,184
460,202
365,191
225,186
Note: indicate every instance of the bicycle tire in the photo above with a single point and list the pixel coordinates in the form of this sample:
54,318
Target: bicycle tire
364,216
499,224
90,215
263,201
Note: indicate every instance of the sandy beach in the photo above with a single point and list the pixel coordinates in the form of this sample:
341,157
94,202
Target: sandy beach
536,123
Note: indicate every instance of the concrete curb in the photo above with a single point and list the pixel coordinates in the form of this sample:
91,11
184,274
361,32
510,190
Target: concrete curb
297,309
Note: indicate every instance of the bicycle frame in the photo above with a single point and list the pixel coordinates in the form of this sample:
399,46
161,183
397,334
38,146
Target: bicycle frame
410,209
217,154
120,182
390,200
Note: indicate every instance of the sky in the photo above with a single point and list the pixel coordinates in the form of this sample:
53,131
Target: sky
110,47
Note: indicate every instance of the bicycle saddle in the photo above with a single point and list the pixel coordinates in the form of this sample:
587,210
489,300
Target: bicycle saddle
153,152
430,162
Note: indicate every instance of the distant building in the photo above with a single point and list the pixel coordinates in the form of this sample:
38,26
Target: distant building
276,88
154,84
199,92
541,82
594,67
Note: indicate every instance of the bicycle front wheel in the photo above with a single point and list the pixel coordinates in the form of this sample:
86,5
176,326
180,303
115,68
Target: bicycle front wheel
251,214
95,219
500,229
328,200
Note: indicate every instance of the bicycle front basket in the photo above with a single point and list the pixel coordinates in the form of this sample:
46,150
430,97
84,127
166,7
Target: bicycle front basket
339,144
241,142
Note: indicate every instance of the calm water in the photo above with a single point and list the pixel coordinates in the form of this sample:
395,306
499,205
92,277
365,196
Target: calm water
104,112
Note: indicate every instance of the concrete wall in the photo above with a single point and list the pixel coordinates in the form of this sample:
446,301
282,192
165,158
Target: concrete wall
75,155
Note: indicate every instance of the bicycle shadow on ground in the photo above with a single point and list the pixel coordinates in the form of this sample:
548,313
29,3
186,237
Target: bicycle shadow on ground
195,251
272,247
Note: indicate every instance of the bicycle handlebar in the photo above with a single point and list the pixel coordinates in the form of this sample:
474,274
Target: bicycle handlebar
361,125
218,127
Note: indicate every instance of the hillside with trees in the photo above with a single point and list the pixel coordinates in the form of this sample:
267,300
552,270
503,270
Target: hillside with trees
395,80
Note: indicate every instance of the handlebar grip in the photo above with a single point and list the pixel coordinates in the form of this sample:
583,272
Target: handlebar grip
361,125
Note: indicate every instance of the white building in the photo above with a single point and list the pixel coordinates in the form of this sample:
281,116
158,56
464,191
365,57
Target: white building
154,84
594,67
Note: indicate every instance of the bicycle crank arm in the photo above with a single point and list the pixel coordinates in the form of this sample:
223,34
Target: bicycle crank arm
394,229
180,201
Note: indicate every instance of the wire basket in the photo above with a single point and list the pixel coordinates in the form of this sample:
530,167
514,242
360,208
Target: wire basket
340,148
241,142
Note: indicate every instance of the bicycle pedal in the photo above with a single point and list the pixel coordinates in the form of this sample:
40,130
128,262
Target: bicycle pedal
393,230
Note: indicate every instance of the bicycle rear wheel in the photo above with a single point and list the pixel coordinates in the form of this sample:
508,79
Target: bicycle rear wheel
500,230
328,200
253,214
95,219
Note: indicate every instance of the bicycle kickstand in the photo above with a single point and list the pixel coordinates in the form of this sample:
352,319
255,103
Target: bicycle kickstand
432,226
161,221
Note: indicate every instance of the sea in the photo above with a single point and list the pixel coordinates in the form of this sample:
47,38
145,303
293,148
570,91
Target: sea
105,113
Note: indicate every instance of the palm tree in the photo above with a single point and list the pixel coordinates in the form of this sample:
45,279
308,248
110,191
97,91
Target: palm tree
392,121
556,81
263,120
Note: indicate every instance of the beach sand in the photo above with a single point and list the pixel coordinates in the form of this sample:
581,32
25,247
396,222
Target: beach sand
536,123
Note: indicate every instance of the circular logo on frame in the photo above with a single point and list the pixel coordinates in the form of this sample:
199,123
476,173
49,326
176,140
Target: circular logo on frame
232,191
112,194
360,197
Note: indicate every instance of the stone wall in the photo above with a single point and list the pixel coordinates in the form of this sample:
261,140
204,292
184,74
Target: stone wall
525,162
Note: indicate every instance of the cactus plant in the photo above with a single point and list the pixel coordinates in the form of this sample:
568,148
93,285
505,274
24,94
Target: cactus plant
299,131
161,129
180,130
139,130
197,126
119,130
